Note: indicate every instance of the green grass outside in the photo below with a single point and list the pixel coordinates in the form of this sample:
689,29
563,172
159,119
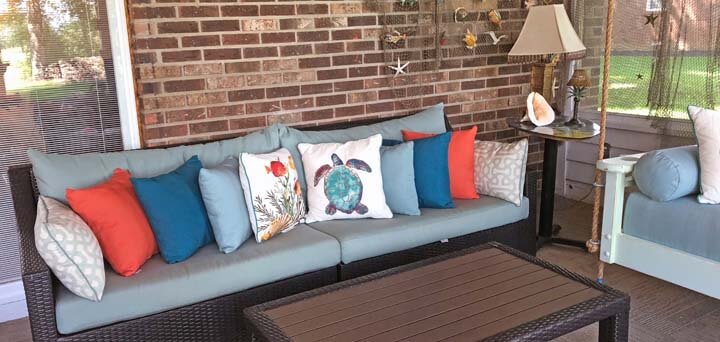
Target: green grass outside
628,94
54,90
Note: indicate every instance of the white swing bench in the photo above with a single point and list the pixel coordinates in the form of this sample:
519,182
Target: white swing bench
698,273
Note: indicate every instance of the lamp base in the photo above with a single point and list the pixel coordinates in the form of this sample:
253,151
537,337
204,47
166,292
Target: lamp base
574,123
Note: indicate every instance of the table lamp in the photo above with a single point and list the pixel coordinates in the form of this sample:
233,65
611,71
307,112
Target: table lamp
579,82
546,38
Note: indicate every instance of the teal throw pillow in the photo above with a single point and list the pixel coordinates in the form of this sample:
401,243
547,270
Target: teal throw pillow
398,174
174,206
224,200
432,175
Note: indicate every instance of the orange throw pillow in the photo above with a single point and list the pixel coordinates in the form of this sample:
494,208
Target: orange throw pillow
461,161
118,221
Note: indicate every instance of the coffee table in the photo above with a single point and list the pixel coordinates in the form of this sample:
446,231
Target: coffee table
485,293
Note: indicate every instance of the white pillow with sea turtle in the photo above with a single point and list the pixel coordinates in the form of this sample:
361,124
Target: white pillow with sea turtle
70,249
272,192
344,180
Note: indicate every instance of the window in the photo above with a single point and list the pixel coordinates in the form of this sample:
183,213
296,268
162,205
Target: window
653,5
58,94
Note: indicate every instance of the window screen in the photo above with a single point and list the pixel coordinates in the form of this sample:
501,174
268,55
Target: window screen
57,94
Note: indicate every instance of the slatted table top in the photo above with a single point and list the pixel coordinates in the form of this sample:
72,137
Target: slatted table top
488,292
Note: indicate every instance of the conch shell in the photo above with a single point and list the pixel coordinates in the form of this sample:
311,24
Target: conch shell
495,18
539,111
470,40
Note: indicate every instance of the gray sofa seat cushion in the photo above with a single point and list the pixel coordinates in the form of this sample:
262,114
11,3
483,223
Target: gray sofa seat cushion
208,274
683,224
362,239
665,175
430,120
55,172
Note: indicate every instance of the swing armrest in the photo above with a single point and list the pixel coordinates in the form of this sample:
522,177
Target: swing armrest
618,176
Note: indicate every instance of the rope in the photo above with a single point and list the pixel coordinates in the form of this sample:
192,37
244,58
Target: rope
593,245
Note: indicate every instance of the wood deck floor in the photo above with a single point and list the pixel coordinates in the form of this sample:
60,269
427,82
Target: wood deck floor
660,311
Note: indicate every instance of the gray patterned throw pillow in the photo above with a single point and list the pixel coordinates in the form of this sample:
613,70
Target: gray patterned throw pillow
70,249
500,169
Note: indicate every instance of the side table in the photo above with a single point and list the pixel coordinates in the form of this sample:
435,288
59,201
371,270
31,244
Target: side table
553,135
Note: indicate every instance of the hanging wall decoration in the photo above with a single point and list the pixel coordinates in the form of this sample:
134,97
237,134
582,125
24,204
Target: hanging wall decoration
470,40
495,38
495,18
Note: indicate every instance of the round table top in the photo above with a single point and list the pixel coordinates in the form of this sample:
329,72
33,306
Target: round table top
558,131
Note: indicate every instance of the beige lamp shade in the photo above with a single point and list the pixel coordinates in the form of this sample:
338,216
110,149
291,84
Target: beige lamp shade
547,33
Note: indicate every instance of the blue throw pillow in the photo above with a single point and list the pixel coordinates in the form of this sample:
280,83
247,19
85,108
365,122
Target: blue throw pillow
173,205
432,175
398,175
224,200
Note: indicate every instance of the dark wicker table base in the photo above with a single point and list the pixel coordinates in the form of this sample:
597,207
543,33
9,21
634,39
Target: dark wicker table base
485,293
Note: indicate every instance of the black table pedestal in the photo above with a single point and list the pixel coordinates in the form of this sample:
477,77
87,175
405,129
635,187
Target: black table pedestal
547,200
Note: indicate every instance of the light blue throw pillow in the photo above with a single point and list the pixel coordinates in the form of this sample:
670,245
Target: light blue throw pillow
398,175
223,196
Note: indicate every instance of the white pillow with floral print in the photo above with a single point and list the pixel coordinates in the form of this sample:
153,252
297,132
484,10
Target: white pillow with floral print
272,192
344,181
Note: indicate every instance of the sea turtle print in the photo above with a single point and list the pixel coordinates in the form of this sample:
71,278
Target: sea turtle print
343,187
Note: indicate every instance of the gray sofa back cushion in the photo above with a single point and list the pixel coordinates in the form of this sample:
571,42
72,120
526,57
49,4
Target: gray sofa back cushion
665,175
431,120
55,172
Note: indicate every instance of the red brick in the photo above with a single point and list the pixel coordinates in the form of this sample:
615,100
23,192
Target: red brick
363,71
331,74
283,92
210,126
311,89
292,104
350,111
177,27
349,85
240,11
362,21
181,56
277,10
347,34
497,82
220,25
199,11
218,54
246,95
260,52
251,122
380,107
153,12
278,37
144,58
156,43
191,41
242,67
165,132
185,115
222,111
313,36
184,85
262,107
329,48
314,62
361,46
295,50
374,58
318,114
331,100
241,39
349,59
312,9
477,84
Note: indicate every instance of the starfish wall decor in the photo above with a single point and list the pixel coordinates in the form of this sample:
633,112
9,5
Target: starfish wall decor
650,19
400,68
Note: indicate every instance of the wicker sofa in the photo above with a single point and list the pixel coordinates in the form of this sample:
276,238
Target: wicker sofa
219,317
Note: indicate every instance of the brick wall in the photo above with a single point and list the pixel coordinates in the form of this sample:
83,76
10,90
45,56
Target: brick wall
209,69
